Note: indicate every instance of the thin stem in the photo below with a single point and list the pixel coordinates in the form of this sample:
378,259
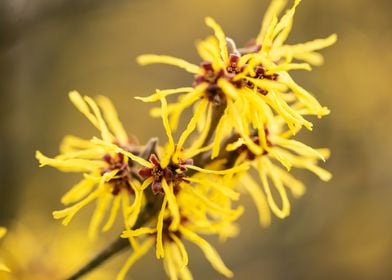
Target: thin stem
149,211
117,246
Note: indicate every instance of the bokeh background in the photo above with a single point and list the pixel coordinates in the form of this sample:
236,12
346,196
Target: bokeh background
338,230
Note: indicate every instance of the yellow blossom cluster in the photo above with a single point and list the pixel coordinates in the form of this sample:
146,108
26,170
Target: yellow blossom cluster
246,111
262,107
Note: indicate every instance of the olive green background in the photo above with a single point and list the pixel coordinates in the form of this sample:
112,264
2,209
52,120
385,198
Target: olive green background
338,230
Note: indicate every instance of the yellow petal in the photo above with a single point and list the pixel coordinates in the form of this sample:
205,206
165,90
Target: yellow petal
184,102
267,84
202,138
269,36
258,198
288,67
182,271
117,149
138,232
306,51
313,58
227,191
103,203
220,35
298,147
153,59
113,213
308,99
124,207
136,206
232,170
220,128
292,118
212,205
172,204
137,254
168,262
201,109
91,154
81,105
281,156
235,145
285,21
69,212
181,248
170,150
314,45
209,252
209,50
229,90
78,191
273,11
320,172
71,165
106,135
296,187
160,253
164,93
239,121
112,119
71,143
263,167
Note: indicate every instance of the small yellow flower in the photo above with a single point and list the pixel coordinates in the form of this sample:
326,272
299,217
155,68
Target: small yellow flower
167,173
249,82
203,209
38,250
3,267
108,163
200,203
280,148
247,109
107,177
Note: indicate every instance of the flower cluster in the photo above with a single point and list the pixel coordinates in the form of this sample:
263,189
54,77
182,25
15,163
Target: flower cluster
260,107
252,83
247,111
107,166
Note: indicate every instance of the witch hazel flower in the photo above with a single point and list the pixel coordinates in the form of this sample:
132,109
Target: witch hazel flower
107,173
212,215
247,81
247,110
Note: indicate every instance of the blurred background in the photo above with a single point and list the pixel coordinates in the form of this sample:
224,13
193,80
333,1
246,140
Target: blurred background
338,230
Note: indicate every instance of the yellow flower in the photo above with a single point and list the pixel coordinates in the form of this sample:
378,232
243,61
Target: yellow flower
167,173
199,202
246,110
3,232
248,82
107,177
109,162
38,250
204,209
280,148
